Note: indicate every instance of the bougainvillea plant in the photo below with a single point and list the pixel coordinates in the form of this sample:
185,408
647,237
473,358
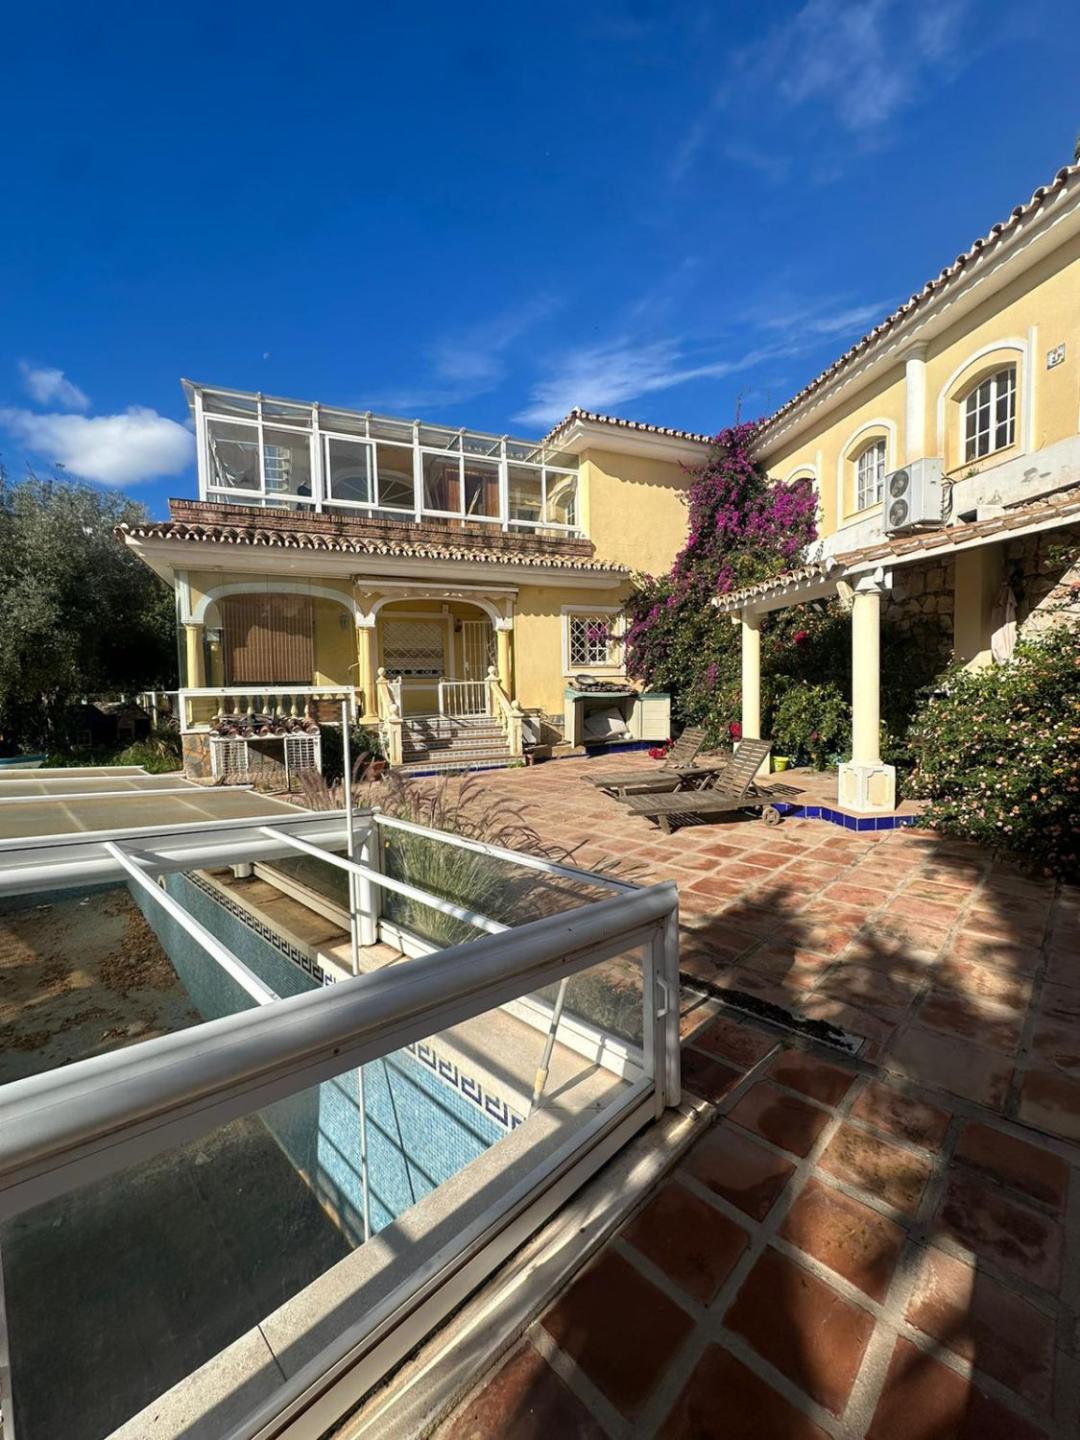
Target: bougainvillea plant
742,527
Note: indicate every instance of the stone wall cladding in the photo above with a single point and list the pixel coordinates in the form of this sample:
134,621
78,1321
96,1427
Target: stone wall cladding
196,752
923,595
1044,571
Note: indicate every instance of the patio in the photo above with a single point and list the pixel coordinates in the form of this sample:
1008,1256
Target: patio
884,1245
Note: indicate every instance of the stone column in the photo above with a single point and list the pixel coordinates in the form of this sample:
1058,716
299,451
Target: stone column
194,656
750,625
504,636
367,671
865,783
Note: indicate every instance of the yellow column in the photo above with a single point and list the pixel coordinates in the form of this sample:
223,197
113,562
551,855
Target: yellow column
750,625
217,659
503,639
367,672
194,656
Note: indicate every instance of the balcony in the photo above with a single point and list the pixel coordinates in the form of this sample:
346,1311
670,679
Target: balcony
309,458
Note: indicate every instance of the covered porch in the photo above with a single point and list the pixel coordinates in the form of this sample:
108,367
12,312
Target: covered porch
991,578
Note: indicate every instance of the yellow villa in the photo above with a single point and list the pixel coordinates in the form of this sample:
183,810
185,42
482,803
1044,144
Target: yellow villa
464,591
459,590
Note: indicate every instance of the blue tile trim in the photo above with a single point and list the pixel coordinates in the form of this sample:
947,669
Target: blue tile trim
493,1106
857,823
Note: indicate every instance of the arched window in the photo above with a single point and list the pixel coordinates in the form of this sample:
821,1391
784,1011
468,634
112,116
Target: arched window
870,475
990,414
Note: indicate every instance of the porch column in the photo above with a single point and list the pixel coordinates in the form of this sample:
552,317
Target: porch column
367,671
194,656
914,403
750,625
865,783
504,633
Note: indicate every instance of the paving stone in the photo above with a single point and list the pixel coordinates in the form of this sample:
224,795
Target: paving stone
850,1238
816,1078
803,1327
1060,1002
526,1399
1057,1043
868,897
694,1244
725,1400
620,1329
734,1166
1051,1102
1015,959
873,986
1030,1168
952,1064
706,1076
980,1320
985,982
1019,1240
782,1119
974,1019
739,1044
923,1400
890,1172
887,1109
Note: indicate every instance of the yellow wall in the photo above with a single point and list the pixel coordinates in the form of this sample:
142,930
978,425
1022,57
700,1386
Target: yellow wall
538,639
1046,298
633,508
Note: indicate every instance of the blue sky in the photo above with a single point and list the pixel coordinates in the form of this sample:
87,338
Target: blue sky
487,213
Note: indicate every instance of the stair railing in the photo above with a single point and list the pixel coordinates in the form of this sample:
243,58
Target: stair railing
508,713
390,721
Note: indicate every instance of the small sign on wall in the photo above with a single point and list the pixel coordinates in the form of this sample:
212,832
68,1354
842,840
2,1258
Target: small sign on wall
1055,356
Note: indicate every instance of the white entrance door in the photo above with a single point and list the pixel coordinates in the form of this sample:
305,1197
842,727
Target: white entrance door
477,648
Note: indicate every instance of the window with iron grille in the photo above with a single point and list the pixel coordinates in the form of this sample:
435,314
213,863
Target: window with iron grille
414,647
870,475
592,641
990,415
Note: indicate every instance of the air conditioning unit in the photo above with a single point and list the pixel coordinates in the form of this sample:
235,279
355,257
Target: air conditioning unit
912,496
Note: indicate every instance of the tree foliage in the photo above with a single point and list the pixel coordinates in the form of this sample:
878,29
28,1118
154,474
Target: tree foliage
81,615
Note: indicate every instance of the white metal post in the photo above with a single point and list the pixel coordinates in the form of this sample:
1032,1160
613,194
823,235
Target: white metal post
369,895
354,940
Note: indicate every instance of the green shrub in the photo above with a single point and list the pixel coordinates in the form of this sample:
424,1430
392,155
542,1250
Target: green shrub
998,754
812,724
160,755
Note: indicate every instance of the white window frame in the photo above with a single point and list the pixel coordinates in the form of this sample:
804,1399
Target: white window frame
466,447
616,618
970,406
870,487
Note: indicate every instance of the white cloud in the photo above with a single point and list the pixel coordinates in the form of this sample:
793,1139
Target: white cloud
121,449
48,386
599,377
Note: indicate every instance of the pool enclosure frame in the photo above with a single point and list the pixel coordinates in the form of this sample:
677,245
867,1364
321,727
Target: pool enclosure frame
70,1126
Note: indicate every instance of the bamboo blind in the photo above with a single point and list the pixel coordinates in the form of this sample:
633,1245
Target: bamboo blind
268,639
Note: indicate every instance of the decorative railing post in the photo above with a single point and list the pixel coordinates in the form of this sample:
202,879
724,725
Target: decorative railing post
390,725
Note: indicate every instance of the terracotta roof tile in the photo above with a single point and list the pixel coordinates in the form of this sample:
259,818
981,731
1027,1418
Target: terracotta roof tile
1063,506
640,425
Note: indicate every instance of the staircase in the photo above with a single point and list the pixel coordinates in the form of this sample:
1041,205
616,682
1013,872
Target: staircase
441,743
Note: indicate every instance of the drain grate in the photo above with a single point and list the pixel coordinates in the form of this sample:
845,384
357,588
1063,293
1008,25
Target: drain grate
752,1006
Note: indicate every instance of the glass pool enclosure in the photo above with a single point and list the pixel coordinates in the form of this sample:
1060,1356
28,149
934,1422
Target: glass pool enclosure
244,1223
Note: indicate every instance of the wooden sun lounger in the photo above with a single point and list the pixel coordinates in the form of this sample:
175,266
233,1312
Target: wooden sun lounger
735,789
680,757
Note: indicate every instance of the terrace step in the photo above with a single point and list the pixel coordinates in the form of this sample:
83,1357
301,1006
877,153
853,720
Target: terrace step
445,742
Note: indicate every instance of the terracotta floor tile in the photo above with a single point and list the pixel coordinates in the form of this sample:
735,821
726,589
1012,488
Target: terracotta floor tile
927,912
923,1400
973,1018
984,982
890,1172
828,1084
887,1109
1057,1043
782,1119
996,1329
850,1238
803,1327
984,950
734,1166
706,1076
945,1062
1027,926
739,1044
1019,1240
725,1400
1051,1101
619,1328
690,1240
1061,1002
873,987
1022,1166
846,893
526,1399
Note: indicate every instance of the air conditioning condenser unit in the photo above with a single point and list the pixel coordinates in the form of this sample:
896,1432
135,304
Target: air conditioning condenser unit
912,496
